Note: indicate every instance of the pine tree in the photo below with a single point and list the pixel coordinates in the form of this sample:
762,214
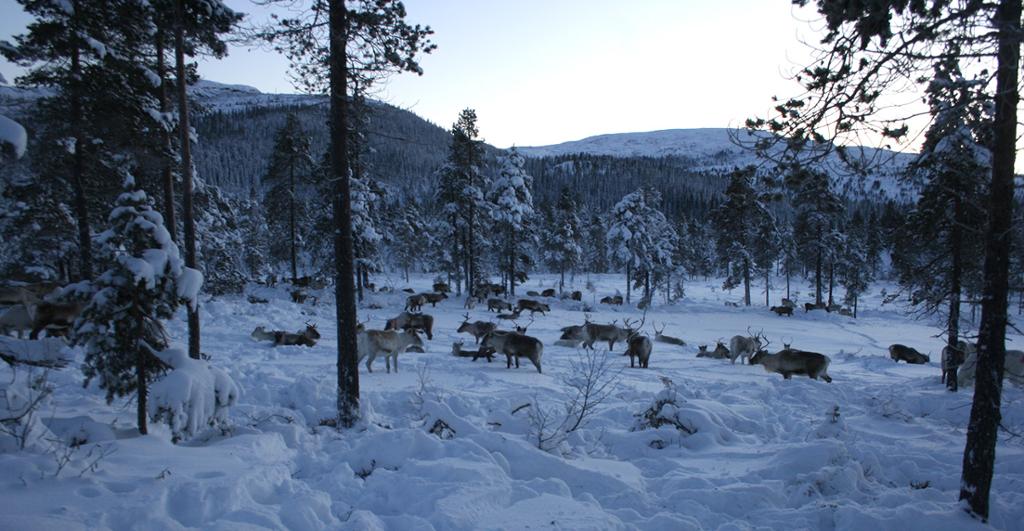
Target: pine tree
737,221
413,237
564,237
816,226
641,240
855,272
461,195
367,206
941,257
287,189
512,210
120,328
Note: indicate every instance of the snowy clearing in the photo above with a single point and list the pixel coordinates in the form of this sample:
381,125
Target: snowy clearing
879,448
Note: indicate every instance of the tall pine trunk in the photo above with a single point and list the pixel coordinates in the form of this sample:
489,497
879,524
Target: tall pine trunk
767,287
746,282
166,172
817,278
186,171
291,218
142,391
831,281
629,281
78,161
953,322
982,430
344,289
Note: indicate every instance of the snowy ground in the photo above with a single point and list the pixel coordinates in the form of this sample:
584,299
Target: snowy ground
768,453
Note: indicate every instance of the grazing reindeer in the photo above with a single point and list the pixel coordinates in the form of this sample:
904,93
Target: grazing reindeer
475,354
300,297
662,338
808,306
498,305
782,310
52,314
391,343
902,352
533,306
442,287
433,298
745,347
414,303
515,345
412,322
550,292
478,329
788,362
613,300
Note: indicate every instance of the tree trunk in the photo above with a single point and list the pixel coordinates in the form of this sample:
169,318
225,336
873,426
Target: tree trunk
953,322
291,218
186,172
767,288
78,168
831,281
982,430
348,372
629,281
142,391
512,268
746,282
787,285
359,282
817,279
167,172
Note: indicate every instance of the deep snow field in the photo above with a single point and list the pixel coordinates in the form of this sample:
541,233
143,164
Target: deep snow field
767,453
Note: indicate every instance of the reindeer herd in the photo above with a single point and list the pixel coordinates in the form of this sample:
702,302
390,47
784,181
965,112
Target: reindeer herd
33,308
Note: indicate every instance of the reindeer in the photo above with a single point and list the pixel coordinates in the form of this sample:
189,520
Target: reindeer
307,337
720,352
300,297
475,354
576,295
391,343
478,329
745,347
808,306
509,316
902,352
788,303
52,314
613,300
788,362
15,318
515,345
533,306
782,310
662,338
498,305
532,293
550,292
433,298
608,332
414,303
412,321
442,287
639,347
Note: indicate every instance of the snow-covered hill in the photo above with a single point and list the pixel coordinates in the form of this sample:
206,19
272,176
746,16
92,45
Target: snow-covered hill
715,149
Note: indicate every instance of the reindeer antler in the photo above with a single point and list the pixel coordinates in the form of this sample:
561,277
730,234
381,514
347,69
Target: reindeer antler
656,331
465,317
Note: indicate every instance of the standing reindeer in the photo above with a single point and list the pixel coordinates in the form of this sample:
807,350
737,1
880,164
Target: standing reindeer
477,329
745,347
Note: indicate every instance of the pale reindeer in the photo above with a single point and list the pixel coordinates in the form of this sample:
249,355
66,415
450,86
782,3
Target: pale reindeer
414,303
744,347
478,353
391,343
477,329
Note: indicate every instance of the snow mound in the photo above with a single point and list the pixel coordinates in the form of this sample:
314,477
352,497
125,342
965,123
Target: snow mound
192,396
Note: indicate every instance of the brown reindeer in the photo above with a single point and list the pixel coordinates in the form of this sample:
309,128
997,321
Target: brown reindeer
515,345
533,306
477,329
788,362
412,322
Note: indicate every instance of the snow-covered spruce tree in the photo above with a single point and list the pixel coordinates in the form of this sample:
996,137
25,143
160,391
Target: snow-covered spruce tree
737,220
120,328
855,271
766,249
563,236
412,238
816,228
256,235
38,229
368,198
595,246
287,193
461,196
941,258
512,211
222,241
641,239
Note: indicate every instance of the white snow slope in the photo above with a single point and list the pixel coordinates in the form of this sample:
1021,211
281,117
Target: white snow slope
879,448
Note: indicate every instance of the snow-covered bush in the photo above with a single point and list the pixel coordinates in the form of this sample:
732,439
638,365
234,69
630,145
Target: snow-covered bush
120,328
23,396
192,396
664,411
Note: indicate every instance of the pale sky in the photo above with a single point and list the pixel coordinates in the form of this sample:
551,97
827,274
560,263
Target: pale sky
548,71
